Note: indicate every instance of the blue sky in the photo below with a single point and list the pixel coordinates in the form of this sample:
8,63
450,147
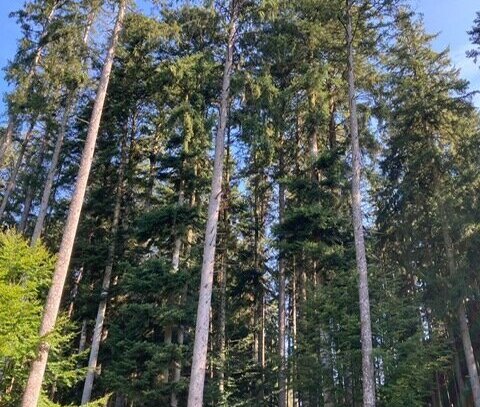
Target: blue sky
450,18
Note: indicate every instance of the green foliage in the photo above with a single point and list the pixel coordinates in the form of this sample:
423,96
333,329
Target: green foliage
25,273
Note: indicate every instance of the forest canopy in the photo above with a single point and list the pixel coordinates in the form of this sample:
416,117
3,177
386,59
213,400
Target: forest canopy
237,203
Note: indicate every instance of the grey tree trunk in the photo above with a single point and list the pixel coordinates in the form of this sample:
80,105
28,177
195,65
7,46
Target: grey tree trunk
368,381
13,176
294,301
7,139
32,187
107,278
469,355
83,337
197,377
37,370
177,246
27,205
69,104
47,189
12,118
282,384
461,315
222,282
459,379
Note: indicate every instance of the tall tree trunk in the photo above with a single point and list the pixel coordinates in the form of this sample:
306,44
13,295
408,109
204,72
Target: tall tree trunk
27,205
332,127
73,295
459,378
83,337
282,396
461,314
222,281
37,371
47,189
107,278
7,139
197,377
32,186
12,117
294,300
13,176
177,246
69,105
364,300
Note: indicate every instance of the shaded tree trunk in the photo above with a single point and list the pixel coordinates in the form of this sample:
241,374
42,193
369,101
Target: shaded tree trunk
461,315
177,246
13,176
107,278
32,184
47,189
222,281
7,139
12,117
368,377
282,396
197,377
83,337
69,105
37,370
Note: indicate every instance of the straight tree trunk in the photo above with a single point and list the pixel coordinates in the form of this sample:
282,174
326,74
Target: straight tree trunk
324,354
177,246
461,315
32,186
83,337
37,370
7,139
469,355
282,382
27,205
197,377
12,118
282,395
69,105
294,300
47,189
222,277
459,378
73,295
13,176
107,278
368,381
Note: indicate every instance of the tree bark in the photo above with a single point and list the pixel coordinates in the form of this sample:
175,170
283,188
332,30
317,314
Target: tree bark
7,139
37,370
282,395
83,337
222,282
47,189
32,187
461,314
107,278
294,301
197,377
13,176
458,377
12,118
69,105
177,246
368,382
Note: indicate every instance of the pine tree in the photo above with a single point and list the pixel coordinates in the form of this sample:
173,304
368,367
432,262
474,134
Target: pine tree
34,384
197,376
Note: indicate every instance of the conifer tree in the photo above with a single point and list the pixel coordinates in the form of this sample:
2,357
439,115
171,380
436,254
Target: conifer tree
197,377
34,384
